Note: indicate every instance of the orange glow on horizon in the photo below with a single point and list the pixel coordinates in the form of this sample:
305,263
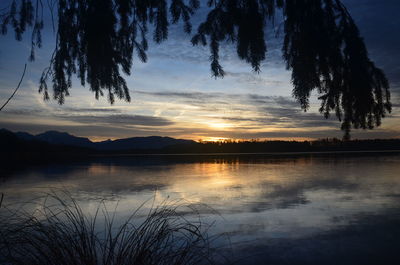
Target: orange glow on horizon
227,139
211,139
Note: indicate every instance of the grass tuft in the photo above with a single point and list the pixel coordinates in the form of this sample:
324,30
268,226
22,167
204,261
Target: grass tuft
60,233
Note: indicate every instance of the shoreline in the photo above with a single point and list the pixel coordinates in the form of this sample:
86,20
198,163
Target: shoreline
250,153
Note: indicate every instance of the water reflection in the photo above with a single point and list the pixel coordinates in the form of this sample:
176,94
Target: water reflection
259,198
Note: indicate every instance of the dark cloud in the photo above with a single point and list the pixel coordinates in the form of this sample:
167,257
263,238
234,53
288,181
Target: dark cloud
120,119
105,110
111,116
35,111
23,111
282,112
278,100
212,101
286,118
174,95
219,97
396,105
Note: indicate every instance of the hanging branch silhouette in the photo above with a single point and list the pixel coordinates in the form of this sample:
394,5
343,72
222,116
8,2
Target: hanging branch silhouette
15,90
95,40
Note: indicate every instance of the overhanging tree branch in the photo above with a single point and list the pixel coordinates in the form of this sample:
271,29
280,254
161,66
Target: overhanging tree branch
16,89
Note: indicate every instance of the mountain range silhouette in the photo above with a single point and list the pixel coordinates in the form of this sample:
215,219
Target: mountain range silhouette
66,139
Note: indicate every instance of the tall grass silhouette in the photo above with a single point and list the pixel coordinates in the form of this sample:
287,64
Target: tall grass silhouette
59,232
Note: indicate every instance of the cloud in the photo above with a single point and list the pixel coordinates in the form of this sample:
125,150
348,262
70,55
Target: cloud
100,110
120,119
224,97
278,100
23,111
287,118
176,95
57,110
250,78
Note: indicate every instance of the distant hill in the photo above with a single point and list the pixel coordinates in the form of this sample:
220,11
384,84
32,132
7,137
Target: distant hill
8,139
25,136
142,143
24,147
63,138
134,143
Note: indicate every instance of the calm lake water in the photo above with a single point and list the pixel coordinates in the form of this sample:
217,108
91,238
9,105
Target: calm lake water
338,209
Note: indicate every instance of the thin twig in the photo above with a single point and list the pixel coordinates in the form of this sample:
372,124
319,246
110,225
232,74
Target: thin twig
16,89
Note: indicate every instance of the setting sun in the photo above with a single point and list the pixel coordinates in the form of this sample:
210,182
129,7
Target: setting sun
219,125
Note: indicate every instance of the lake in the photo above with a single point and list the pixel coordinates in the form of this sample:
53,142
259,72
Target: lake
306,209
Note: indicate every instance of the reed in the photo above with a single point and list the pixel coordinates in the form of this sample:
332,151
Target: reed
1,199
60,233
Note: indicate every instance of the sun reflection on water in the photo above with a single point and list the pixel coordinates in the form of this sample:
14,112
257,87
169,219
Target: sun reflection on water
271,197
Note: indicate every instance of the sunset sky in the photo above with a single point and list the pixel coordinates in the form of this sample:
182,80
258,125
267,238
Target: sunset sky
173,94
